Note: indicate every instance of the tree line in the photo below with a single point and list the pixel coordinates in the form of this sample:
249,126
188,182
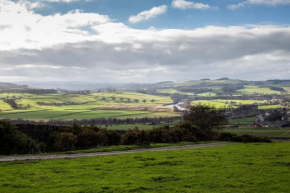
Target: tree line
102,121
202,123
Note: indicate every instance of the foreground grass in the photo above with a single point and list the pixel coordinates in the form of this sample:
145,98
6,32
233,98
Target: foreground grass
233,168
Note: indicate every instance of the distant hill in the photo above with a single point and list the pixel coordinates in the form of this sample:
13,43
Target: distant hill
15,88
6,85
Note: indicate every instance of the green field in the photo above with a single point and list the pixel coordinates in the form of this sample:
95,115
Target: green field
219,103
235,168
210,103
172,90
105,105
242,121
270,107
4,106
242,102
73,106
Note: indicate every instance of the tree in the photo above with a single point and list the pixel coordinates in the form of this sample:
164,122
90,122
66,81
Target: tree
144,101
206,118
65,141
136,100
128,100
89,138
152,101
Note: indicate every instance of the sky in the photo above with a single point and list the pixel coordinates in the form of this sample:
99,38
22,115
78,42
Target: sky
146,41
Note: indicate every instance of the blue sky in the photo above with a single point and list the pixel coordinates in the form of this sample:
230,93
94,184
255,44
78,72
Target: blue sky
120,10
144,40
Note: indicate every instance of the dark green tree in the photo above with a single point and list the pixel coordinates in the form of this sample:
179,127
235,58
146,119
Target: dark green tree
206,118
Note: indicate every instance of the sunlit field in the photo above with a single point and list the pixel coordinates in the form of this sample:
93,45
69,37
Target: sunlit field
73,106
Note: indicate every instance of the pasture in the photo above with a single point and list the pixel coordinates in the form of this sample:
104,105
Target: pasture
242,120
255,167
102,105
211,103
73,106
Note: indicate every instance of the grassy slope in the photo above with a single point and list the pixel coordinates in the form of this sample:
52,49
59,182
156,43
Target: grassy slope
4,106
233,168
256,89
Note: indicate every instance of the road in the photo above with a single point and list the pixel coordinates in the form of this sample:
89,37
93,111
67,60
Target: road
80,155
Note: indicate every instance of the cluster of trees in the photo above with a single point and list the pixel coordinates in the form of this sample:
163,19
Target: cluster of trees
14,105
128,100
277,89
229,90
275,116
82,92
11,102
177,97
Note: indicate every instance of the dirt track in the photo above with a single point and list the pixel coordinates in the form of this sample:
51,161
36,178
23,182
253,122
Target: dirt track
79,155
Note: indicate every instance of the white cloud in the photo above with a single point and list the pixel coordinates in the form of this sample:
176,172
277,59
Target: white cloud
182,4
258,2
25,29
36,4
91,47
149,14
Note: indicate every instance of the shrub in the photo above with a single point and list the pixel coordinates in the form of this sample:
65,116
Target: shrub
243,138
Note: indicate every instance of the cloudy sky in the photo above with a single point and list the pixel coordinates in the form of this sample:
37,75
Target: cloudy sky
143,40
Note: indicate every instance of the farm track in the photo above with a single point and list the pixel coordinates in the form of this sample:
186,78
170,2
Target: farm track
81,155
